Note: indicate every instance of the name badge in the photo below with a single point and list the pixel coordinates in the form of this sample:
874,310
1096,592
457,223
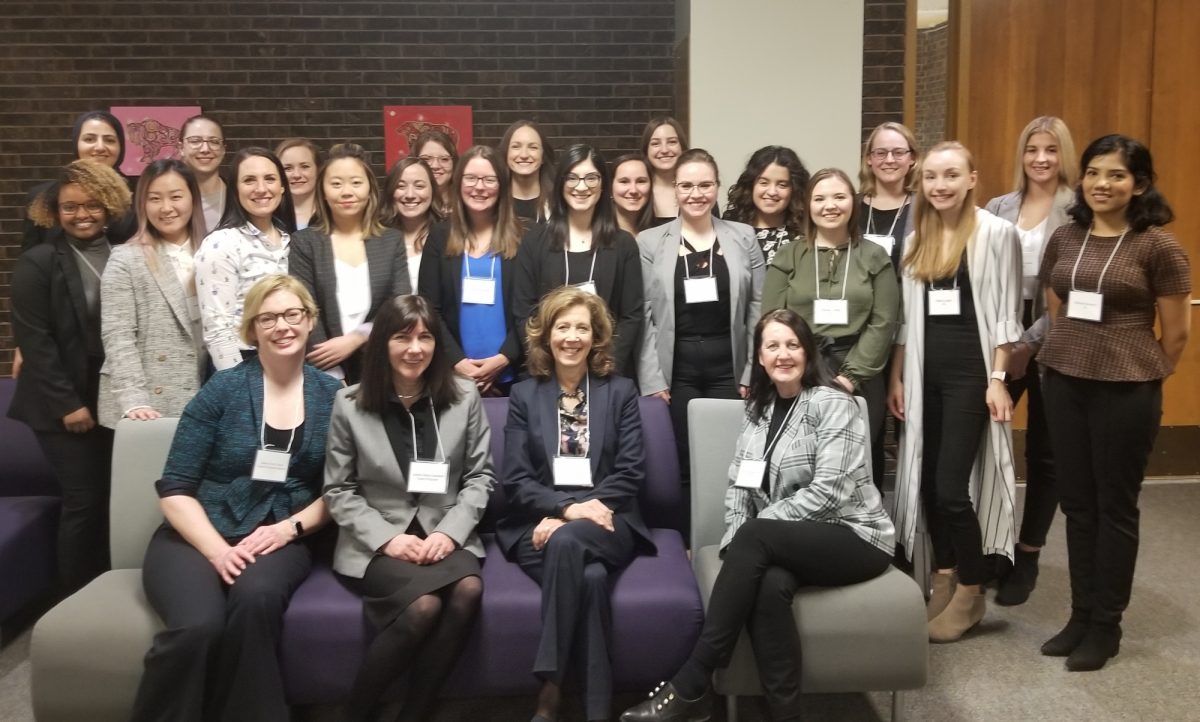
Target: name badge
1085,305
885,242
831,312
700,290
573,471
428,477
271,466
587,287
944,302
750,474
479,290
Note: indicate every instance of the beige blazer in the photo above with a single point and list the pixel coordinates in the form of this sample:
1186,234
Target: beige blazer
659,249
365,488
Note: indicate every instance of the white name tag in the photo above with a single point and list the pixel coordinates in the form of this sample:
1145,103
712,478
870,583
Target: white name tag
700,290
887,243
944,302
587,287
428,477
572,471
479,290
750,474
270,465
831,312
1085,305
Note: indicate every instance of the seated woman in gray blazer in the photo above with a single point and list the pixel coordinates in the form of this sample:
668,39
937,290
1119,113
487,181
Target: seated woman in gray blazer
149,315
348,260
702,279
407,478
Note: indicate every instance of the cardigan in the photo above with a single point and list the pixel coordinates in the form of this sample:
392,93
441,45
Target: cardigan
215,443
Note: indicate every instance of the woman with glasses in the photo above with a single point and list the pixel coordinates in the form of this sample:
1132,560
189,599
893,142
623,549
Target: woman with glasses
250,243
241,493
348,260
56,304
581,246
887,179
530,161
203,149
469,270
301,160
663,141
631,193
409,195
768,196
438,151
702,279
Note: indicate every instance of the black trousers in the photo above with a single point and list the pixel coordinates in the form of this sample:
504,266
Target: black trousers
1103,432
874,392
1041,499
703,369
764,564
955,418
217,658
573,570
82,464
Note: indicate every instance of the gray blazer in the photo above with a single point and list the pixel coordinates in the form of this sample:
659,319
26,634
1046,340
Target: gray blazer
659,248
365,488
154,352
1008,207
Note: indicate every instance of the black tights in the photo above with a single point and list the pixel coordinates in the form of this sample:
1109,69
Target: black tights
431,633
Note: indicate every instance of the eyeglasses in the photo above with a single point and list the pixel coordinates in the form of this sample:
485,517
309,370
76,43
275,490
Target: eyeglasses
195,142
70,209
293,316
897,153
437,159
705,188
591,180
488,181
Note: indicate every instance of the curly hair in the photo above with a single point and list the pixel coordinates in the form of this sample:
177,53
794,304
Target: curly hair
103,184
539,360
1145,209
741,194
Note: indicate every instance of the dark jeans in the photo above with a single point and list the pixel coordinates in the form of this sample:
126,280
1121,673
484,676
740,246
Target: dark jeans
765,563
874,392
1103,432
703,369
1041,499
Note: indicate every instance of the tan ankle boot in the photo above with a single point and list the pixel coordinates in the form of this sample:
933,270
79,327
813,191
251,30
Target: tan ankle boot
965,610
944,585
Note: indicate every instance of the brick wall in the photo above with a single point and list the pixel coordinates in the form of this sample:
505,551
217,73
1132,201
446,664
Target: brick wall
932,53
883,63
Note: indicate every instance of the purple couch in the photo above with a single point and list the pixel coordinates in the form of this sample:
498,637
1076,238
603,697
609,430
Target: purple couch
29,506
657,612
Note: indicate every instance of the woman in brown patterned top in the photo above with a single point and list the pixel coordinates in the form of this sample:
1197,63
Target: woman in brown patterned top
1107,276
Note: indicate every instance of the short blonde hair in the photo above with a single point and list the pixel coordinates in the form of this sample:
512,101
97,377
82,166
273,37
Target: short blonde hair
539,360
257,296
1068,162
103,184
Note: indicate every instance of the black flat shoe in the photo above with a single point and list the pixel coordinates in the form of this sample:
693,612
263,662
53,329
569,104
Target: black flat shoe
665,705
1101,643
1017,585
1065,642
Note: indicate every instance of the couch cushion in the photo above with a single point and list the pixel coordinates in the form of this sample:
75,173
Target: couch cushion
27,543
25,471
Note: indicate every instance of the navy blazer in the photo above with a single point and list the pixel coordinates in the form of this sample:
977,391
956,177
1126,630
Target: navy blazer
531,438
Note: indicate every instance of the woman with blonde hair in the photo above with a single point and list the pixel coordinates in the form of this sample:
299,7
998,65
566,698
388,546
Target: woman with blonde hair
962,304
887,178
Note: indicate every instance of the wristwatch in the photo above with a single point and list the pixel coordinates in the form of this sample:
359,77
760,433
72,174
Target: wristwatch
1000,376
298,527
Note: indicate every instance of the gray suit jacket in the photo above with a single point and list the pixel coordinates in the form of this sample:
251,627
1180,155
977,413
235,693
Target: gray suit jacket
659,248
366,491
154,353
1008,207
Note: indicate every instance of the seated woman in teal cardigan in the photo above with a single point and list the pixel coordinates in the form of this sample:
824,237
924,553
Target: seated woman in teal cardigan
241,490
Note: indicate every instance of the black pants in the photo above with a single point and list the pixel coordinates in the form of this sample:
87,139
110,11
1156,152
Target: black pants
955,418
1041,499
764,564
874,392
573,570
217,658
82,464
703,369
1103,432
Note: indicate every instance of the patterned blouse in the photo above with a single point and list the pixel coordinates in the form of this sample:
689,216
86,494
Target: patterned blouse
573,423
770,240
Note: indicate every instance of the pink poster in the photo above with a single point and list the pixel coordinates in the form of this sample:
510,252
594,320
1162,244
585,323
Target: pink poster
151,132
403,123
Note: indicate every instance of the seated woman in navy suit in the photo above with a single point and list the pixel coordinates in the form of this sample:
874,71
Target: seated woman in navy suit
241,492
407,478
573,469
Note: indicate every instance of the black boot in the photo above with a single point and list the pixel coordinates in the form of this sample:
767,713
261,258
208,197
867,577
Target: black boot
1101,643
1015,587
665,705
1065,642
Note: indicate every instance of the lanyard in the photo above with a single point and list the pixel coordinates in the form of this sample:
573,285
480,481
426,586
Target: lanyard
871,216
687,271
467,268
88,263
587,397
771,442
262,430
1103,271
817,274
567,268
412,421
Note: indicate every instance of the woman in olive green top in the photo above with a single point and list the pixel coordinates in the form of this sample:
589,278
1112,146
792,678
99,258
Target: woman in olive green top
847,292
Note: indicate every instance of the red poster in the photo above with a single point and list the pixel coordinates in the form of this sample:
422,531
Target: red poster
151,133
403,123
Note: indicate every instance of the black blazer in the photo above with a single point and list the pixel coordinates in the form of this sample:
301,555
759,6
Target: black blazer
441,283
531,438
618,279
50,323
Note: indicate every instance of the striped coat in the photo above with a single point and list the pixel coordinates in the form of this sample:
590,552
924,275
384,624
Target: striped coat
994,265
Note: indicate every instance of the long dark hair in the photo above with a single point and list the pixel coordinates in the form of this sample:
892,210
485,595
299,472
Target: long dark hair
390,216
604,224
147,234
645,217
816,371
741,194
235,216
105,117
506,234
545,172
402,313
1148,208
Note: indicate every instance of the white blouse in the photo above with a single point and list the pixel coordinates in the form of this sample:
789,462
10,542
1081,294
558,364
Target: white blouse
1032,241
